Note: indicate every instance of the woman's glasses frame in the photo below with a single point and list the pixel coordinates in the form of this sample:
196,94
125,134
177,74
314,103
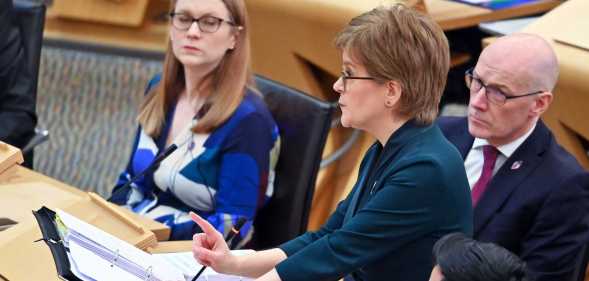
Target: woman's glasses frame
344,76
206,24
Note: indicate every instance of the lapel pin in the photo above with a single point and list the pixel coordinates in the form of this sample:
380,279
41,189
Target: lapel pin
373,186
516,165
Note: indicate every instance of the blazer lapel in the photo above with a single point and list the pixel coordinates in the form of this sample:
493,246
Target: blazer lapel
362,178
394,144
511,175
464,145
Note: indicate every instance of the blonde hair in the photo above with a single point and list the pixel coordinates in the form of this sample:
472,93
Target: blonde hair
400,44
228,82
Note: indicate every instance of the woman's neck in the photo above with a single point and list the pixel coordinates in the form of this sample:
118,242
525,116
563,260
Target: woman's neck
197,83
384,129
197,88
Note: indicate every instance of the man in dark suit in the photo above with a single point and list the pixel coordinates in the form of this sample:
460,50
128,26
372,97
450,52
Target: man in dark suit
17,107
529,195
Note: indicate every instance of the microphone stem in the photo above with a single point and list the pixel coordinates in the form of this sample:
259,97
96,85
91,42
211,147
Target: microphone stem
149,168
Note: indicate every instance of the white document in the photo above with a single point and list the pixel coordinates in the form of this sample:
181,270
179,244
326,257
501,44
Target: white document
185,262
98,255
93,267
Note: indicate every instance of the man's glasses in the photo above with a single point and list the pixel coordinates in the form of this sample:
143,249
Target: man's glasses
206,24
493,94
345,77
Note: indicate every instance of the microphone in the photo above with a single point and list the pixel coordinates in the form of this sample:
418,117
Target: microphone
234,231
40,137
152,166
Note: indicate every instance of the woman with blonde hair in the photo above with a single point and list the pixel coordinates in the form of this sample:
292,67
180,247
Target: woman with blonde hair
412,187
204,103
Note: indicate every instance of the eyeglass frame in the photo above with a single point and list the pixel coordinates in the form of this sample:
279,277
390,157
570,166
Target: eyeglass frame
197,20
469,77
345,77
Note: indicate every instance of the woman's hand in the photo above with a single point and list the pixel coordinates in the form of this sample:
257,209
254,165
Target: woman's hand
209,247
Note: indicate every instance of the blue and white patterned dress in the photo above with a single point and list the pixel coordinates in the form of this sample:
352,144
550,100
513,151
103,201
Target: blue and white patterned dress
221,176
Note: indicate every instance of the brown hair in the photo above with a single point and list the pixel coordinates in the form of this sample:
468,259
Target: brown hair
398,43
228,81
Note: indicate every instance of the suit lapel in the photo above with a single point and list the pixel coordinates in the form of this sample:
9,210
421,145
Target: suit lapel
461,138
510,176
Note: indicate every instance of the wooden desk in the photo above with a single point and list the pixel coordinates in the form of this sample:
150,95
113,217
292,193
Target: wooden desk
150,36
453,15
567,117
122,13
152,33
57,194
24,190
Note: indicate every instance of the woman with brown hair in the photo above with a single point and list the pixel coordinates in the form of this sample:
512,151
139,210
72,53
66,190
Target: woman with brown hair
204,103
412,187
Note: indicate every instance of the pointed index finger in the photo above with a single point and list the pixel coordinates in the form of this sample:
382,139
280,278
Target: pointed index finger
204,224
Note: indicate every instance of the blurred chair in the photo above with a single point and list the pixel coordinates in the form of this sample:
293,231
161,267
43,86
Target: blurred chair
304,123
30,17
583,268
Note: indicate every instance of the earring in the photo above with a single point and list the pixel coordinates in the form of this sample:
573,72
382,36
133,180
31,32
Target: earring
388,103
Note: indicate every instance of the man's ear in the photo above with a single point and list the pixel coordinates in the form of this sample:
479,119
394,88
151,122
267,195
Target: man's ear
394,92
541,103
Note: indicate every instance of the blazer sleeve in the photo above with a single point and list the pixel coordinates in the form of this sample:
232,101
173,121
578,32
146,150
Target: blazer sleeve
334,222
554,249
403,209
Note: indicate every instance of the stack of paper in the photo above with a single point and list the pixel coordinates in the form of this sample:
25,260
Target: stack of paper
97,255
186,263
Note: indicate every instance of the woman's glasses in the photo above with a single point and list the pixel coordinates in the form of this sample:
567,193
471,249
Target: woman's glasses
206,24
345,77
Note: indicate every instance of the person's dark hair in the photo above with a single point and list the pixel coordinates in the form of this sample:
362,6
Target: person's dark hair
463,259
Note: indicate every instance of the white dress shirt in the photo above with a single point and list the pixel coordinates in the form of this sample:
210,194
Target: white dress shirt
474,160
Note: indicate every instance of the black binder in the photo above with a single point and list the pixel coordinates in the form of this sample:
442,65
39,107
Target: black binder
46,220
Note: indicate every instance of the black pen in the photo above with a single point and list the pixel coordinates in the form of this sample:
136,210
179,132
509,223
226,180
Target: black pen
234,231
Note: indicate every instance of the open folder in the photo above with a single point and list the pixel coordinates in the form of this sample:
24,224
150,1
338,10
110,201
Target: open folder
85,252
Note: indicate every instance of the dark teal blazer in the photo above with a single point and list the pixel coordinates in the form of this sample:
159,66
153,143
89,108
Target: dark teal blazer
408,195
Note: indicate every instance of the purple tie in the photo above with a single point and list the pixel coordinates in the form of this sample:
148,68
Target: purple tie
490,156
